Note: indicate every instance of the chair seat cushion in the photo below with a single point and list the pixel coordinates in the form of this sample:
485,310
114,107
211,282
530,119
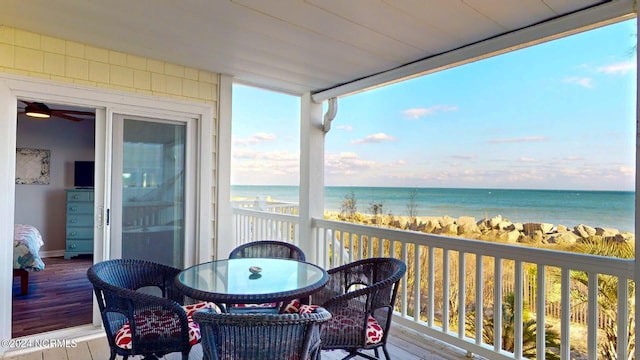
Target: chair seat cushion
190,309
348,321
154,324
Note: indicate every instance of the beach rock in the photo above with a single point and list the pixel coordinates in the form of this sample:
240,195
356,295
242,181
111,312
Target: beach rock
494,221
562,228
518,226
624,237
506,225
511,237
538,237
432,226
446,220
607,232
450,228
532,228
584,231
467,225
564,238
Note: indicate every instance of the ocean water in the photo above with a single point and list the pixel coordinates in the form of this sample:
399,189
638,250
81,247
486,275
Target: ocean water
566,207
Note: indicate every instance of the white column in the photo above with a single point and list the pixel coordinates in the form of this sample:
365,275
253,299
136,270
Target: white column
637,225
224,240
8,116
311,172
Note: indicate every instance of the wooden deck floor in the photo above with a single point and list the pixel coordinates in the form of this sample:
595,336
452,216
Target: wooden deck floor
402,346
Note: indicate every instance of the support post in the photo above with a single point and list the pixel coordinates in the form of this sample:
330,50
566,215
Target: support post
311,173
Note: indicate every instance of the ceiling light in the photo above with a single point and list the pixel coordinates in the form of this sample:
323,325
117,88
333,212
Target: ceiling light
38,110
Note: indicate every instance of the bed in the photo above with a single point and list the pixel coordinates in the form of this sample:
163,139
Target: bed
27,241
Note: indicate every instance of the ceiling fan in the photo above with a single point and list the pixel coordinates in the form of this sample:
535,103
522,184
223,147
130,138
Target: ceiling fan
42,111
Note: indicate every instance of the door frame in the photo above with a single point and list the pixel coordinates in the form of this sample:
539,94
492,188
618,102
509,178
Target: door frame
106,102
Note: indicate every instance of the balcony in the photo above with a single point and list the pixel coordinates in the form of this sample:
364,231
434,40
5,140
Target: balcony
455,271
533,286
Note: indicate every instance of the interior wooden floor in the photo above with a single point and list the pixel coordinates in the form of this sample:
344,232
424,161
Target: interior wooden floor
60,296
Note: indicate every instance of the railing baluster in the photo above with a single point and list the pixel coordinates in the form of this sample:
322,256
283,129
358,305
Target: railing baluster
445,290
479,299
462,280
432,291
622,316
540,313
592,316
405,256
497,304
565,315
417,292
518,306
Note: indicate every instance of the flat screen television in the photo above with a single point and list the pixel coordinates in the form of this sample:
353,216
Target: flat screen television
83,174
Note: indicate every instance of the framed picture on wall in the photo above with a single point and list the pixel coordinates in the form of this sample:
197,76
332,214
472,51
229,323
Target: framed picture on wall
32,166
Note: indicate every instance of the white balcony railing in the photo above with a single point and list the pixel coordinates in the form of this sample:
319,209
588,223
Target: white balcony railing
451,279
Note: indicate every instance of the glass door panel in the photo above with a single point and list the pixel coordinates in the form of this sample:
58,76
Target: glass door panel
151,188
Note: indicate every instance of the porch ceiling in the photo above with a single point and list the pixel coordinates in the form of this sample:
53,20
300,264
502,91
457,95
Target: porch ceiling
312,45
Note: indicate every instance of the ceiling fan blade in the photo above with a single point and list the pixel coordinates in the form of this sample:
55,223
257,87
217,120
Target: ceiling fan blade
66,117
72,112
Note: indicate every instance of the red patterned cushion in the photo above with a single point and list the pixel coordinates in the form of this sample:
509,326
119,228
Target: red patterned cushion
292,307
190,309
155,324
374,331
307,309
342,323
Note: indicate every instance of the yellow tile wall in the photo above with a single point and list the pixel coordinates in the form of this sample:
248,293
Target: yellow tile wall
31,54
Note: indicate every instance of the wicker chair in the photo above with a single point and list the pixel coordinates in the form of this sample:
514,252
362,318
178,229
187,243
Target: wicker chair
265,249
261,336
131,317
268,249
360,297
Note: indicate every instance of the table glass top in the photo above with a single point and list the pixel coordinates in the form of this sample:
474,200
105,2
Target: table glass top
232,276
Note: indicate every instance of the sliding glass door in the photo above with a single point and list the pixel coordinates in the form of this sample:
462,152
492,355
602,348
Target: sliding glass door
148,190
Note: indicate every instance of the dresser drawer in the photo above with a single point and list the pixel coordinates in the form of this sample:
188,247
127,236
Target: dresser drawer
79,196
80,245
80,208
79,220
79,233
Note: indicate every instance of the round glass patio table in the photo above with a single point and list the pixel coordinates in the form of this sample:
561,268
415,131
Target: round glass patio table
230,281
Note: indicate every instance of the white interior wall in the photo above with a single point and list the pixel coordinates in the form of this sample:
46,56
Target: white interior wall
44,206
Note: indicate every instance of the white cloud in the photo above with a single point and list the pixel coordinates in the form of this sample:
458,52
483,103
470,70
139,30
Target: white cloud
619,68
416,113
580,81
518,139
375,138
255,139
463,156
527,160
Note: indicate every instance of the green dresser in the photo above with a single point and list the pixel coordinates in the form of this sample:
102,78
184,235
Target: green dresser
79,222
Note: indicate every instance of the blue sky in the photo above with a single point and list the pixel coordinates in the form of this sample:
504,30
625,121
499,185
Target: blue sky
560,115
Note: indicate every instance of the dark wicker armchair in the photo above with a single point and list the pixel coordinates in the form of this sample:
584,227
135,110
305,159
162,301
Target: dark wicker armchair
265,249
268,249
261,336
360,297
139,322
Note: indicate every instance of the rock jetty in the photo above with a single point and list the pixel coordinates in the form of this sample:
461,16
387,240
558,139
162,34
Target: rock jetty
500,229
